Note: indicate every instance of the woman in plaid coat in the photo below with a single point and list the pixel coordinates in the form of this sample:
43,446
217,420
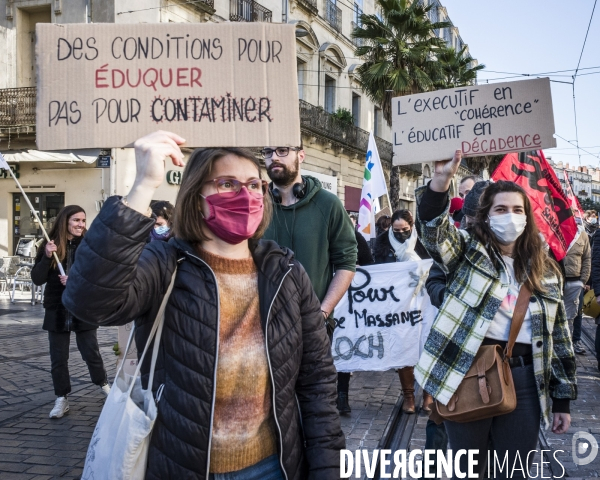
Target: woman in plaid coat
503,251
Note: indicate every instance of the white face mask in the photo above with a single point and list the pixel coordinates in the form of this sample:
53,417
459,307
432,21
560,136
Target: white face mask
508,227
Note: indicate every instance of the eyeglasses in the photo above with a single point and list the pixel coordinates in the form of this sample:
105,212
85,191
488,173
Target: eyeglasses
279,151
230,187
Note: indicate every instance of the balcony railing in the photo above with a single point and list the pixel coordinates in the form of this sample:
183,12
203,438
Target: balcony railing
249,11
17,107
316,121
358,42
333,14
309,5
201,4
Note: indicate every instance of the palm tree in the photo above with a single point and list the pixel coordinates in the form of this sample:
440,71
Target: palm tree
399,49
456,69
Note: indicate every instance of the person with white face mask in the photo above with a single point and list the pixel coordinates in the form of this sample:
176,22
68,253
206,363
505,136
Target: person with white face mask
490,264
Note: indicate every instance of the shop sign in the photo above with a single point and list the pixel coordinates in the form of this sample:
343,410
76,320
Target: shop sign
103,161
328,182
174,177
14,167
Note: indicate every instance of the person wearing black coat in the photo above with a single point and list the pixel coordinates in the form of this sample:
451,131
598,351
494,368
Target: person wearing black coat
221,212
66,235
401,244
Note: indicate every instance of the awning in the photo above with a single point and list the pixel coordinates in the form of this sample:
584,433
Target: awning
64,156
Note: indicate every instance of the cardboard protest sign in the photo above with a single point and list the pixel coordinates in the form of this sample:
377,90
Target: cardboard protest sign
226,84
479,120
383,320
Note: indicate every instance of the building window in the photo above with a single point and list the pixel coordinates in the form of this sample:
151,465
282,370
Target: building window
358,11
26,21
329,94
356,109
377,124
301,78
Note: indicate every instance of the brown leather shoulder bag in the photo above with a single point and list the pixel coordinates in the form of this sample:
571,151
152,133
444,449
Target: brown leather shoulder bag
487,390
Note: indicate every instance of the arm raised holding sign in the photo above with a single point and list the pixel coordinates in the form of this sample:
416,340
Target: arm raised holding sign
150,154
433,218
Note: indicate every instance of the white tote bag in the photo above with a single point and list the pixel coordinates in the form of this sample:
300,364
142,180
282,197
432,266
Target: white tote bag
119,446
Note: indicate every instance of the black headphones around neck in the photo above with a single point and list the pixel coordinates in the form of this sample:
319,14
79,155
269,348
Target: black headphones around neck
298,190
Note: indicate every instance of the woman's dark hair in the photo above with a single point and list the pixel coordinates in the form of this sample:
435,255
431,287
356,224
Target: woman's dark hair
531,261
403,215
60,231
163,209
188,221
383,223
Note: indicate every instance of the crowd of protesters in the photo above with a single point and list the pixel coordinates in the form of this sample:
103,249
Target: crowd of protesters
249,387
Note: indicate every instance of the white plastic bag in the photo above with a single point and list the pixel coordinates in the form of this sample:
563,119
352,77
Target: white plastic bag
119,446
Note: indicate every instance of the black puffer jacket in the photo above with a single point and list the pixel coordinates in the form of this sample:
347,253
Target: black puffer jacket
56,317
117,280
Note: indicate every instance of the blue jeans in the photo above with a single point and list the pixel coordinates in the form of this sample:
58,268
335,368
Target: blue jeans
577,320
436,438
267,469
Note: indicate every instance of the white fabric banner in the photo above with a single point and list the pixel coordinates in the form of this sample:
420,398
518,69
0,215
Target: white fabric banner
384,318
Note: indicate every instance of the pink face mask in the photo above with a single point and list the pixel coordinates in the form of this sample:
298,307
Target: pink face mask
235,219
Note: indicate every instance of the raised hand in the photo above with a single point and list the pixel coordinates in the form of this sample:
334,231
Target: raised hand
150,154
50,248
443,172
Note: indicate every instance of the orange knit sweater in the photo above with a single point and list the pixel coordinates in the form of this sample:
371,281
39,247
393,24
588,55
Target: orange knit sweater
243,427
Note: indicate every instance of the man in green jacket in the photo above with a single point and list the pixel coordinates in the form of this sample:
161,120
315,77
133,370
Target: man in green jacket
313,224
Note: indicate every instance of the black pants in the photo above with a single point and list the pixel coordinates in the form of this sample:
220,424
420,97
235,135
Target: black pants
597,345
511,433
87,343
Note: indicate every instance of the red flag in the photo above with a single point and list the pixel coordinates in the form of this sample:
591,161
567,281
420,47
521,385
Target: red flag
573,200
551,207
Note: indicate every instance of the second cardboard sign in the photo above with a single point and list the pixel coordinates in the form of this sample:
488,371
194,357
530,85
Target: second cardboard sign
479,120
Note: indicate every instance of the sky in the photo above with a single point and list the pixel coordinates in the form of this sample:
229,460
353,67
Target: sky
535,36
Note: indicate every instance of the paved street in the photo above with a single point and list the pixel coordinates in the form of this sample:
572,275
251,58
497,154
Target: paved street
34,447
31,445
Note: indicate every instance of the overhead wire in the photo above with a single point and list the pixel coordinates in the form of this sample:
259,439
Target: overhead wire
575,78
578,147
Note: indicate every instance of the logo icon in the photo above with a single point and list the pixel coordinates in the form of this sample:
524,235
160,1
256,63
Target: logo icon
588,447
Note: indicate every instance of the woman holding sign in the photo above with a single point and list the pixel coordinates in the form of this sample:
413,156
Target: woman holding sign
400,243
491,264
248,382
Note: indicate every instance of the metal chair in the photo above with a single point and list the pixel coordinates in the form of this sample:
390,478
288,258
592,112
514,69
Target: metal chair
4,268
22,278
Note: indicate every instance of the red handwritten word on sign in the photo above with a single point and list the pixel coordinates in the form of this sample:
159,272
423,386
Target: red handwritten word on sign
150,77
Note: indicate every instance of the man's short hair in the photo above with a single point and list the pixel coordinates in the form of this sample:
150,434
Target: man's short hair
468,177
